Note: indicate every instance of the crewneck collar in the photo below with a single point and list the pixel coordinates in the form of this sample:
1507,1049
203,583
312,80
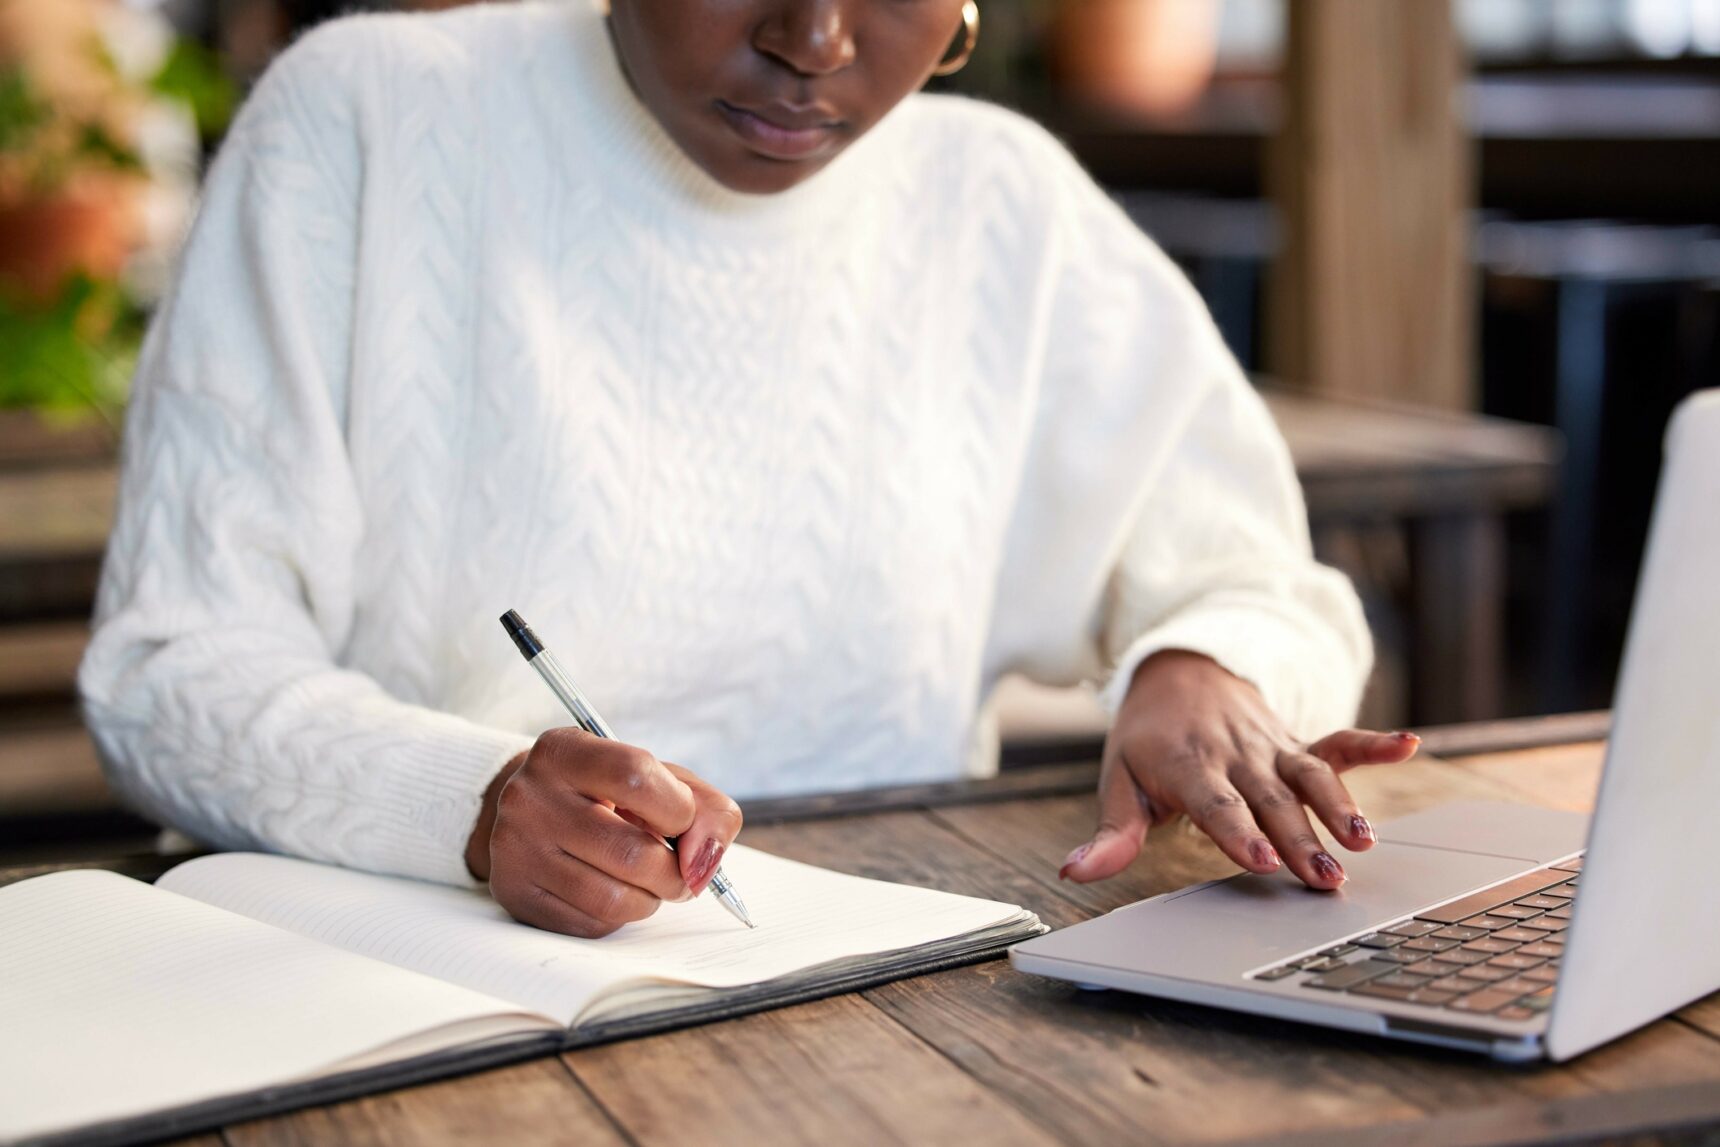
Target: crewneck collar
640,156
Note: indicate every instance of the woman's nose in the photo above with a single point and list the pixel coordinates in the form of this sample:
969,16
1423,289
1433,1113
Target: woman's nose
814,37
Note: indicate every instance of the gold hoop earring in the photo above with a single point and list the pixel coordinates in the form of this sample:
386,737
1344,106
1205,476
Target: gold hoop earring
957,57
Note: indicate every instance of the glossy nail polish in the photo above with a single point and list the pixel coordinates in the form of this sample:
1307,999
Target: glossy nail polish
1327,869
1073,859
1409,738
1360,827
703,865
1264,855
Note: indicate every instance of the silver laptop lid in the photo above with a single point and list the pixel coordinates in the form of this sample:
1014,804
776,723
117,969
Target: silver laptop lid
1645,939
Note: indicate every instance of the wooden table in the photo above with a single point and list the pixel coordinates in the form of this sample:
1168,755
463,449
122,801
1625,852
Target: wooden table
985,1055
1445,483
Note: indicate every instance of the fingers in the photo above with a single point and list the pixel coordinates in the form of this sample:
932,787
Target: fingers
541,908
627,852
562,893
1200,741
623,775
1317,785
715,824
1278,807
1123,821
1348,748
1218,809
577,839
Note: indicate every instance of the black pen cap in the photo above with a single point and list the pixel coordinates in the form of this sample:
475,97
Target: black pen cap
522,634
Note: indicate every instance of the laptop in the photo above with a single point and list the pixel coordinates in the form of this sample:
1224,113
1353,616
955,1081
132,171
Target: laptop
1519,932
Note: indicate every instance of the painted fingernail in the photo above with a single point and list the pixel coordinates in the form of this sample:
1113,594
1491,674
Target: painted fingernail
1327,869
1407,738
1265,856
704,865
1073,859
1359,826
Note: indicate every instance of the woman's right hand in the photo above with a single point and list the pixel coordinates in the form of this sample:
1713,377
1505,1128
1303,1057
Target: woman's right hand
571,832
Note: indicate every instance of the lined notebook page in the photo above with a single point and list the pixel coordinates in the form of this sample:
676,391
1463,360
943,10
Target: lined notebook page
806,916
117,999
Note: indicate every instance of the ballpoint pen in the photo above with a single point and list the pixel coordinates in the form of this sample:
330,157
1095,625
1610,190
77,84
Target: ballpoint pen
587,718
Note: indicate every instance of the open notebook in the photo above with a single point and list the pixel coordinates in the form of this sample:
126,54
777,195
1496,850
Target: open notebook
240,984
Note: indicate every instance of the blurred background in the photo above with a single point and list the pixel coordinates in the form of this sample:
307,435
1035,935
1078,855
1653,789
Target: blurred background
1470,249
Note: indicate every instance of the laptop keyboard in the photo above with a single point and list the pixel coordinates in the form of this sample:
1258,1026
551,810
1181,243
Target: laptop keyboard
1489,953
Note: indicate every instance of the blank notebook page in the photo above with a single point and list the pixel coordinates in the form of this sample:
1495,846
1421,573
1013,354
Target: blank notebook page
806,916
117,999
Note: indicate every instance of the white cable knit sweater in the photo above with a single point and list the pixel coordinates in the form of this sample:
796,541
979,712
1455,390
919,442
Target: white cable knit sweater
787,481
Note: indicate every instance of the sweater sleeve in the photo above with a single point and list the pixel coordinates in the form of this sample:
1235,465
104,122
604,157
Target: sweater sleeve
1160,509
212,683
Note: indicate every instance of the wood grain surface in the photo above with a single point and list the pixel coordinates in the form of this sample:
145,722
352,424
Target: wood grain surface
1371,172
984,1054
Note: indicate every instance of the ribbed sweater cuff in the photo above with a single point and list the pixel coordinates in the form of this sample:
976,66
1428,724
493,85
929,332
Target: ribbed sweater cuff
1307,678
430,800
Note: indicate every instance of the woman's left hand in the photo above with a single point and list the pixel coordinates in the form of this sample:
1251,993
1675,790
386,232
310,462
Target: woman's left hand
1192,738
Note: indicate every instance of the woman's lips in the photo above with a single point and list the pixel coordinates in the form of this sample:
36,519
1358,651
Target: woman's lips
773,140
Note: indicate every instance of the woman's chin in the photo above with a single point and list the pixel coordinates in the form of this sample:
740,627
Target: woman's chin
753,174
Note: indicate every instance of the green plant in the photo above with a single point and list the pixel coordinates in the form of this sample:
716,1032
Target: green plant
193,76
76,164
72,356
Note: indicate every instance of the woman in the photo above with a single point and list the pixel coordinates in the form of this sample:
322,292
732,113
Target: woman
791,408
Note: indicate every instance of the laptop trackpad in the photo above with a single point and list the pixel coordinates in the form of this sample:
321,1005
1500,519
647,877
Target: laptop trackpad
1387,880
1245,922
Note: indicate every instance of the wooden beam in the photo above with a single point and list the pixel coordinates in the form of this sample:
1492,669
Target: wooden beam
50,771
1371,172
41,659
